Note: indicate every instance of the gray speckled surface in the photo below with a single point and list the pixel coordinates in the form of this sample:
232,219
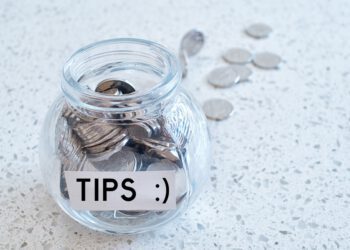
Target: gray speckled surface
280,175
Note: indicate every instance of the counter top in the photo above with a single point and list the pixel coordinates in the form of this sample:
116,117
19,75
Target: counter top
280,173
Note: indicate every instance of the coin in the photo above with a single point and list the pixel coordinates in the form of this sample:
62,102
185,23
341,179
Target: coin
144,129
223,77
154,125
92,132
258,30
237,56
217,109
69,146
132,213
74,117
108,152
243,71
105,151
139,130
267,60
114,87
160,148
106,137
69,152
121,161
192,42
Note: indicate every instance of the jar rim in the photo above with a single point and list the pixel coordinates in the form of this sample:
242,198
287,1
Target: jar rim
75,91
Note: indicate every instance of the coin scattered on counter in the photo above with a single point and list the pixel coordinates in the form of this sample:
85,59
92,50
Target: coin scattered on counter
227,76
258,30
237,56
267,60
223,77
191,43
217,109
243,71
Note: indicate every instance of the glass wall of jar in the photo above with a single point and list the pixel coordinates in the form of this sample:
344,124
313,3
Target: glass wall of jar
123,109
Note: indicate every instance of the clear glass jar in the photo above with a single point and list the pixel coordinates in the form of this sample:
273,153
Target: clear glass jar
158,124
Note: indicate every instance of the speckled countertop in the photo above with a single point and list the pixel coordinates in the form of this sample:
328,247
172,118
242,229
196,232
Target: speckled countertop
280,176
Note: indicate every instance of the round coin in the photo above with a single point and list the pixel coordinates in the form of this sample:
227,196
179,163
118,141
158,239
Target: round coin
237,56
243,71
114,87
139,130
223,77
120,161
258,30
266,60
192,42
217,109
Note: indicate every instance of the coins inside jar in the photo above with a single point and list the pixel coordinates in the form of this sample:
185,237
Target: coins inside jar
88,143
115,87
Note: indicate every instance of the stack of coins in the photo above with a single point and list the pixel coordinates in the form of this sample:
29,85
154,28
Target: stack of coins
237,72
87,143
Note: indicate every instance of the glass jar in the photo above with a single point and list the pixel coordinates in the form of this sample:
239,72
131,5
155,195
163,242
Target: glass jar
155,126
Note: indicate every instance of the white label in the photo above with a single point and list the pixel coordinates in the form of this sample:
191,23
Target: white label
143,190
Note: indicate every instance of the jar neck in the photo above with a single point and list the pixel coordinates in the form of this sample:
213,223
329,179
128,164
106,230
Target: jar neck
153,71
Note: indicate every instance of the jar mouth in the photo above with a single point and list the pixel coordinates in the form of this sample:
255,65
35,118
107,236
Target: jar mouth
154,69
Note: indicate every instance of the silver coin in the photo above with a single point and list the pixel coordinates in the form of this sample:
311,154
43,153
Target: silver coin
69,152
139,130
144,129
120,161
192,42
217,109
108,152
223,77
132,213
73,117
266,60
108,143
243,71
106,137
237,56
92,132
154,125
258,30
114,87
69,147
160,148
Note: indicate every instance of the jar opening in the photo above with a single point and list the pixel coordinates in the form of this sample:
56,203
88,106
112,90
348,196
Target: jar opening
152,70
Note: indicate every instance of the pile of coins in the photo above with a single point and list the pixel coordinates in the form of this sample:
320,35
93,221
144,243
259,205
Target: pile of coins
93,144
237,71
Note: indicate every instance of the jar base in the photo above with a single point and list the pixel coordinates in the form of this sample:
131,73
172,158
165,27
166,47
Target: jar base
121,222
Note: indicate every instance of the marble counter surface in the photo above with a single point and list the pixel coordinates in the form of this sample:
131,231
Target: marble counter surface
280,172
